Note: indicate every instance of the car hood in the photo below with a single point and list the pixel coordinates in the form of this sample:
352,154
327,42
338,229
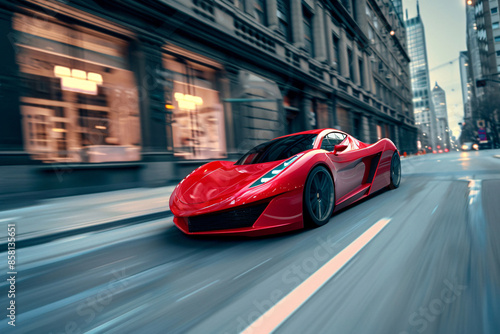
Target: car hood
219,180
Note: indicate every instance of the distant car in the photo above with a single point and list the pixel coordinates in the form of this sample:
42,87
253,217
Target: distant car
285,184
487,145
469,146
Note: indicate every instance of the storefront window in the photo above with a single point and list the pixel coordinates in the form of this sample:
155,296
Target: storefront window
197,115
78,101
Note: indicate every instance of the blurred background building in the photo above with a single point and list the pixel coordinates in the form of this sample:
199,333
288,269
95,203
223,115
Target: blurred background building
441,109
98,93
466,84
423,106
482,118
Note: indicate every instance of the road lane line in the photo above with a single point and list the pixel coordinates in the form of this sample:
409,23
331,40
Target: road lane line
279,313
434,209
198,290
475,213
243,273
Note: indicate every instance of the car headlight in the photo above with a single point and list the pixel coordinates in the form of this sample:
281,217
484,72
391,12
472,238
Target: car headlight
475,146
464,147
272,174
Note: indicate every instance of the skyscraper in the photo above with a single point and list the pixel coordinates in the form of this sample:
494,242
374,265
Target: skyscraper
483,51
425,117
441,109
466,84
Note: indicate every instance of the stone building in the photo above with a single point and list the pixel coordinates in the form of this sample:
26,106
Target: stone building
141,92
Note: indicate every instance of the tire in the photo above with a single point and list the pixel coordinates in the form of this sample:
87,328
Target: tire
319,197
395,171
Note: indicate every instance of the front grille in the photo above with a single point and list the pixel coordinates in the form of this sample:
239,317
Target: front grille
241,217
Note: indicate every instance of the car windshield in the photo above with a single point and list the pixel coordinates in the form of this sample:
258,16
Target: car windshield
278,149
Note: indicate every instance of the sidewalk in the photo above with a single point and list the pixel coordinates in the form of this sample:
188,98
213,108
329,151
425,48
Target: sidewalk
66,215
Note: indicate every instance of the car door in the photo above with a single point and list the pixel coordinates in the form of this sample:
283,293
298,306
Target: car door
348,164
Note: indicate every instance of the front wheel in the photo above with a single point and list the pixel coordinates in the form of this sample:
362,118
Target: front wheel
319,197
395,171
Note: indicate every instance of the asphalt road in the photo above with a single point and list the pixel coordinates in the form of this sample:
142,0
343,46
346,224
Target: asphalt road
433,268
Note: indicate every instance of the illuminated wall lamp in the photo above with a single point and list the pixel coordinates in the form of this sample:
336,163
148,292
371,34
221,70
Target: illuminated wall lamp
78,81
188,102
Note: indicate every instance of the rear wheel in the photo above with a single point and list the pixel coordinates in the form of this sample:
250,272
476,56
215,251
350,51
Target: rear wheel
319,197
395,171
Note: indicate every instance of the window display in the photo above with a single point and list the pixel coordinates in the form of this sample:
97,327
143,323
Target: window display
197,119
79,100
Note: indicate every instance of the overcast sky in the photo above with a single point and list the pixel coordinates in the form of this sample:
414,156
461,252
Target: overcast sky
444,22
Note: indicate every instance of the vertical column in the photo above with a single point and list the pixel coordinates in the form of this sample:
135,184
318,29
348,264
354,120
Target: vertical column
373,87
403,140
332,111
367,72
319,33
249,6
237,116
271,11
355,65
396,135
365,129
344,62
11,135
330,55
224,87
147,65
297,23
305,112
373,129
360,10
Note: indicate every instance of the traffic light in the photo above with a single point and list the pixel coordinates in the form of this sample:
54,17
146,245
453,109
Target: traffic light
480,83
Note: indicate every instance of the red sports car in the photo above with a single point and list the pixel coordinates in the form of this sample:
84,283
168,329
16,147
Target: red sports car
285,184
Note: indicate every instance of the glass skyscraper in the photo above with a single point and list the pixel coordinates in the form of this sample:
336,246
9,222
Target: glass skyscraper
441,109
425,117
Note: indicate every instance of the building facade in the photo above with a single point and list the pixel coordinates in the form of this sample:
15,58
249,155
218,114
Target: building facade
466,84
156,88
398,7
441,109
425,116
483,51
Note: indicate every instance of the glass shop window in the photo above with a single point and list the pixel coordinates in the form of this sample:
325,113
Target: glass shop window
79,99
197,113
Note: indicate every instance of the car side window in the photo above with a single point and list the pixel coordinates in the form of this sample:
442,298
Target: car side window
332,139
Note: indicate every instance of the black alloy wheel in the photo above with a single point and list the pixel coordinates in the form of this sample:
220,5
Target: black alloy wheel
395,171
319,197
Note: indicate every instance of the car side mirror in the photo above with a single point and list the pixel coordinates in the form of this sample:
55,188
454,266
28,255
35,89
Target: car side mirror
339,148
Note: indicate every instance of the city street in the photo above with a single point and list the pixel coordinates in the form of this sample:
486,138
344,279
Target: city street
434,268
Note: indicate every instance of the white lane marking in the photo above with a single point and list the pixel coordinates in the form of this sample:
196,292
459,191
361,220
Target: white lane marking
434,209
474,190
476,217
279,313
196,291
249,270
3,220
